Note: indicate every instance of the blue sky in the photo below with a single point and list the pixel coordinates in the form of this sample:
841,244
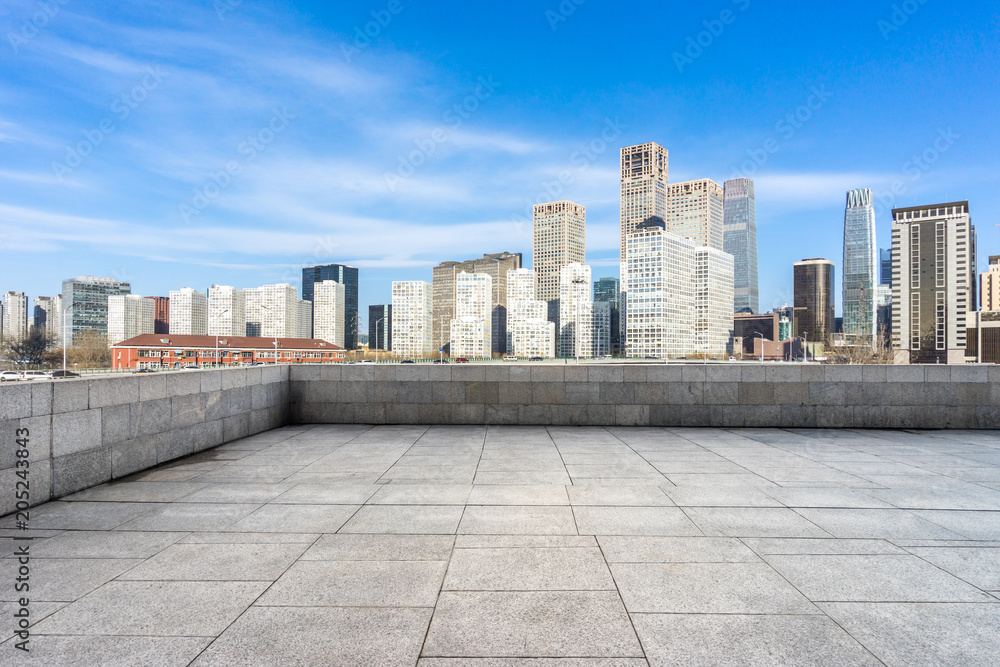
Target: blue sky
178,144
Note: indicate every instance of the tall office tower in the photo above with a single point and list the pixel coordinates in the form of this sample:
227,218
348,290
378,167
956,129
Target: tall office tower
496,266
659,280
608,290
934,282
602,328
380,327
272,311
348,277
695,211
227,311
813,288
885,267
860,268
560,238
412,315
161,310
740,240
644,174
188,312
48,315
15,320
576,312
85,304
713,302
329,311
990,286
470,330
529,331
304,318
129,315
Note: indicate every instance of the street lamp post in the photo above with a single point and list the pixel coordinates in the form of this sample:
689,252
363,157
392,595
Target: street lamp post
64,340
377,322
761,346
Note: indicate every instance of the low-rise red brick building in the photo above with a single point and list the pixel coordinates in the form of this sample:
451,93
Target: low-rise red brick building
167,351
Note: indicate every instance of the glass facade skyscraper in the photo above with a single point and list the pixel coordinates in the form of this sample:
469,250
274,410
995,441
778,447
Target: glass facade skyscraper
740,241
813,288
860,269
348,277
86,302
885,273
609,290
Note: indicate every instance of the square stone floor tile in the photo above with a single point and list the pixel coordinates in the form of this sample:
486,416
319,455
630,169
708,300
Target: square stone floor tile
512,494
190,516
254,494
293,636
709,640
625,495
881,524
753,522
62,579
711,496
327,494
217,562
550,623
707,588
295,519
978,566
103,544
381,547
250,538
517,520
111,651
528,569
58,515
834,498
675,550
137,492
405,520
634,521
523,478
155,608
421,494
971,525
770,546
873,579
358,584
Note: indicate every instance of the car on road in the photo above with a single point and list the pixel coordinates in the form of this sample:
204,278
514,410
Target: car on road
441,361
461,360
61,375
510,357
143,370
191,367
35,375
10,376
408,361
536,359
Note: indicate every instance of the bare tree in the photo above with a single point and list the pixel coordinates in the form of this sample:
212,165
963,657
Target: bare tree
33,350
90,350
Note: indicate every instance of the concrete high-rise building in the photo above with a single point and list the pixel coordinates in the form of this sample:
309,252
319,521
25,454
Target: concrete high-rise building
85,304
329,310
576,312
602,328
713,302
188,312
885,267
304,319
860,269
644,177
560,238
412,316
346,275
272,311
990,286
48,316
227,311
608,290
740,240
129,315
15,316
470,330
934,282
529,331
659,281
380,327
496,266
813,288
161,308
695,211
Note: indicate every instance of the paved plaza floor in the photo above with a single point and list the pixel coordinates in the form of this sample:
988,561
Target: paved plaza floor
447,546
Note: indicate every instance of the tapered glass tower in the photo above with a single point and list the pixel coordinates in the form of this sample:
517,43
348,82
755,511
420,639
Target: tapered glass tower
740,241
860,268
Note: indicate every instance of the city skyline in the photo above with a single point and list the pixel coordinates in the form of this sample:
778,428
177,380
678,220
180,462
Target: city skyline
308,197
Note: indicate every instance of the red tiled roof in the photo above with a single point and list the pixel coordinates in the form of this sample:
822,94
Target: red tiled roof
227,342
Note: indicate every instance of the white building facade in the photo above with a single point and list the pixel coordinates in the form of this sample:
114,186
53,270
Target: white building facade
188,312
412,319
329,308
129,315
560,238
530,333
695,209
271,311
714,301
471,329
227,311
15,316
576,312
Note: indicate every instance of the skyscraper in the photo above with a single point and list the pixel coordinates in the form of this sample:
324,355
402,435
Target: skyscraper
644,175
161,310
813,287
412,310
85,304
559,239
15,316
227,311
380,327
713,302
348,277
304,319
885,267
272,311
695,211
990,286
129,315
740,241
934,256
576,312
496,266
329,311
860,269
188,312
529,331
608,290
48,316
470,329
